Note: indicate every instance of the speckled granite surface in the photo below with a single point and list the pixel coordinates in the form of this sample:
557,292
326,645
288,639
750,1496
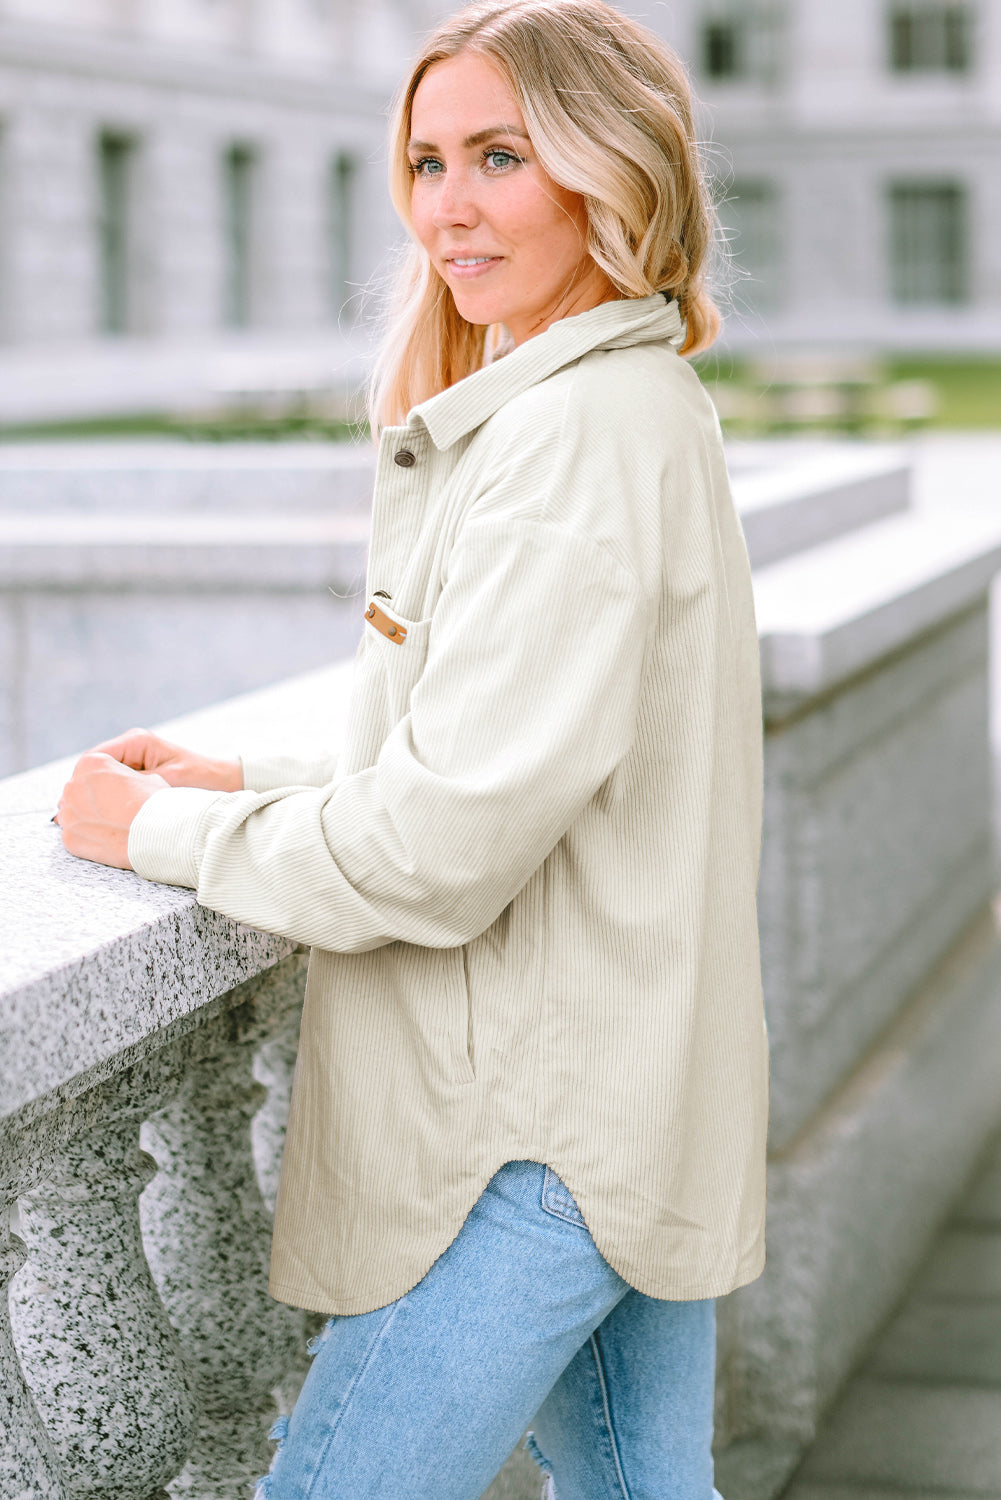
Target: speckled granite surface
93,959
103,1363
28,1465
206,1225
120,1001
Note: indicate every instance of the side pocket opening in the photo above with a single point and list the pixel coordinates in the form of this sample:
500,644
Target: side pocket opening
470,1046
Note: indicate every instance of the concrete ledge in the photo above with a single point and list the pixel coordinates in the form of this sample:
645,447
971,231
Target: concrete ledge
187,552
830,613
834,490
129,478
875,854
855,1199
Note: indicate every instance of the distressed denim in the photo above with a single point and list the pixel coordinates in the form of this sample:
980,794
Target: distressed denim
519,1322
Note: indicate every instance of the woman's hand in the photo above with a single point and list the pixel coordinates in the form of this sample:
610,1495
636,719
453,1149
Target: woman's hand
98,805
144,751
111,782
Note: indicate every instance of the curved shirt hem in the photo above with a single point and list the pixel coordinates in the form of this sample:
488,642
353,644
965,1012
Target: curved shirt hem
671,1287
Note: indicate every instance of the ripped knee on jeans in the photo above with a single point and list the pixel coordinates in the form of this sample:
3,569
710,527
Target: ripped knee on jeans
278,1434
279,1431
532,1447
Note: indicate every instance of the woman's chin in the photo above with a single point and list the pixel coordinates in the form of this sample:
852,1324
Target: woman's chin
479,310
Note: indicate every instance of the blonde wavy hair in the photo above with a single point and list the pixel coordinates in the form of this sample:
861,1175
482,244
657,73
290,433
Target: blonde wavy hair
608,108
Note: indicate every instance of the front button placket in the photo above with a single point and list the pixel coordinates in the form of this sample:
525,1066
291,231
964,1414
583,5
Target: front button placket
402,477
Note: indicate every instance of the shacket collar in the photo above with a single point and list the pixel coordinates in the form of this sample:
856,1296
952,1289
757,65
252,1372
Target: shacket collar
611,325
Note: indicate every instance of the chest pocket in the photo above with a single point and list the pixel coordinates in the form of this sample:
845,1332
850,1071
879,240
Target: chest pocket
399,646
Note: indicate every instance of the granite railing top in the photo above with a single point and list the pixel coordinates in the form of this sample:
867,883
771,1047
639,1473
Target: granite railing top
834,610
96,960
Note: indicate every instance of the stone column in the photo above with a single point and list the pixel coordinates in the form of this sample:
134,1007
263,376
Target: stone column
208,1235
98,1352
28,1466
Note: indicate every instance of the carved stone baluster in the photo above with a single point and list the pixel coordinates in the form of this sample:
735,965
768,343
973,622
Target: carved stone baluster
95,1344
28,1466
208,1237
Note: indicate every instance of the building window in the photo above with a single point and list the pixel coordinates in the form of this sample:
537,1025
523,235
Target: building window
343,185
925,37
239,172
750,220
741,42
928,243
116,154
722,50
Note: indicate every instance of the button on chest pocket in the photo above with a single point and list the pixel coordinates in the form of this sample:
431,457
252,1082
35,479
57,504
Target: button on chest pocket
400,645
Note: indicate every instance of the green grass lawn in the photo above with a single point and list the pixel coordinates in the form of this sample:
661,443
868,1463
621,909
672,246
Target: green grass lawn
968,390
878,397
244,427
963,393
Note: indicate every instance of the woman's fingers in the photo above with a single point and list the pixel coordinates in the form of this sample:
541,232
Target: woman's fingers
98,805
138,748
141,750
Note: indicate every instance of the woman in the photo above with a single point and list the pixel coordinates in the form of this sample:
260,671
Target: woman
526,1145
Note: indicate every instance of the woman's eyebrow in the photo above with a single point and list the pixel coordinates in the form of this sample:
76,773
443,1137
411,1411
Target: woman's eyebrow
474,140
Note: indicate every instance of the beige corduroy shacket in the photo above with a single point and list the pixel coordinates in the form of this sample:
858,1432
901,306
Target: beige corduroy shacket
530,885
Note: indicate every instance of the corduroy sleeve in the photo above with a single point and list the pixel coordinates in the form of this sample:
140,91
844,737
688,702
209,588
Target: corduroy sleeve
266,773
526,704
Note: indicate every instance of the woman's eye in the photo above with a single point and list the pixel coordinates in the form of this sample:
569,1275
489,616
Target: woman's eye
499,161
428,166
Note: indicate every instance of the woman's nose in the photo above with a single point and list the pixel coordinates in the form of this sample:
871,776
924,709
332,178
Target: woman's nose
454,204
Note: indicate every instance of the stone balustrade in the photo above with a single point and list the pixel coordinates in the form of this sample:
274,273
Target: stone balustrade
147,1043
118,561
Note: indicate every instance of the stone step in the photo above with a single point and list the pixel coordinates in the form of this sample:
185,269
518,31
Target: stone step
797,501
154,477
832,611
187,552
809,497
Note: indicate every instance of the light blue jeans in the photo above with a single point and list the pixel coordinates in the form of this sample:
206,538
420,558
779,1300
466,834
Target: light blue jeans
519,1321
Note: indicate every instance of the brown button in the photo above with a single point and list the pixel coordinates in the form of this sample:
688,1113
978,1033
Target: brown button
391,630
405,458
370,612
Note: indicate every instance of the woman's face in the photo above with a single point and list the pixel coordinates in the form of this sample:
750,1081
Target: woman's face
504,237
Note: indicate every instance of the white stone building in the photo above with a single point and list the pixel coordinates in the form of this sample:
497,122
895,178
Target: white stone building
182,174
864,140
182,180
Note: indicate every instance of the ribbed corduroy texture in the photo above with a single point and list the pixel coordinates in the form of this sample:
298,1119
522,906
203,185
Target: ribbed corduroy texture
531,885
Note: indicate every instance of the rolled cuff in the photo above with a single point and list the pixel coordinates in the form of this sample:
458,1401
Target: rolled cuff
165,837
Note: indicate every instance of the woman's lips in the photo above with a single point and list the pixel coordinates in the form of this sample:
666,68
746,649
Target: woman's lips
468,272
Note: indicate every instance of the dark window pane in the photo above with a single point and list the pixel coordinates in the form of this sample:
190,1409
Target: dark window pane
928,243
901,41
927,36
342,227
114,163
238,183
957,40
722,50
750,219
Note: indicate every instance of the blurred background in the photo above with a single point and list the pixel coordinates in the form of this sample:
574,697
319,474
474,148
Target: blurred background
194,229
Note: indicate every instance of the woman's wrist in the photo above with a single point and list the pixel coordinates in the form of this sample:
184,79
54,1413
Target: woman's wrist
223,776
